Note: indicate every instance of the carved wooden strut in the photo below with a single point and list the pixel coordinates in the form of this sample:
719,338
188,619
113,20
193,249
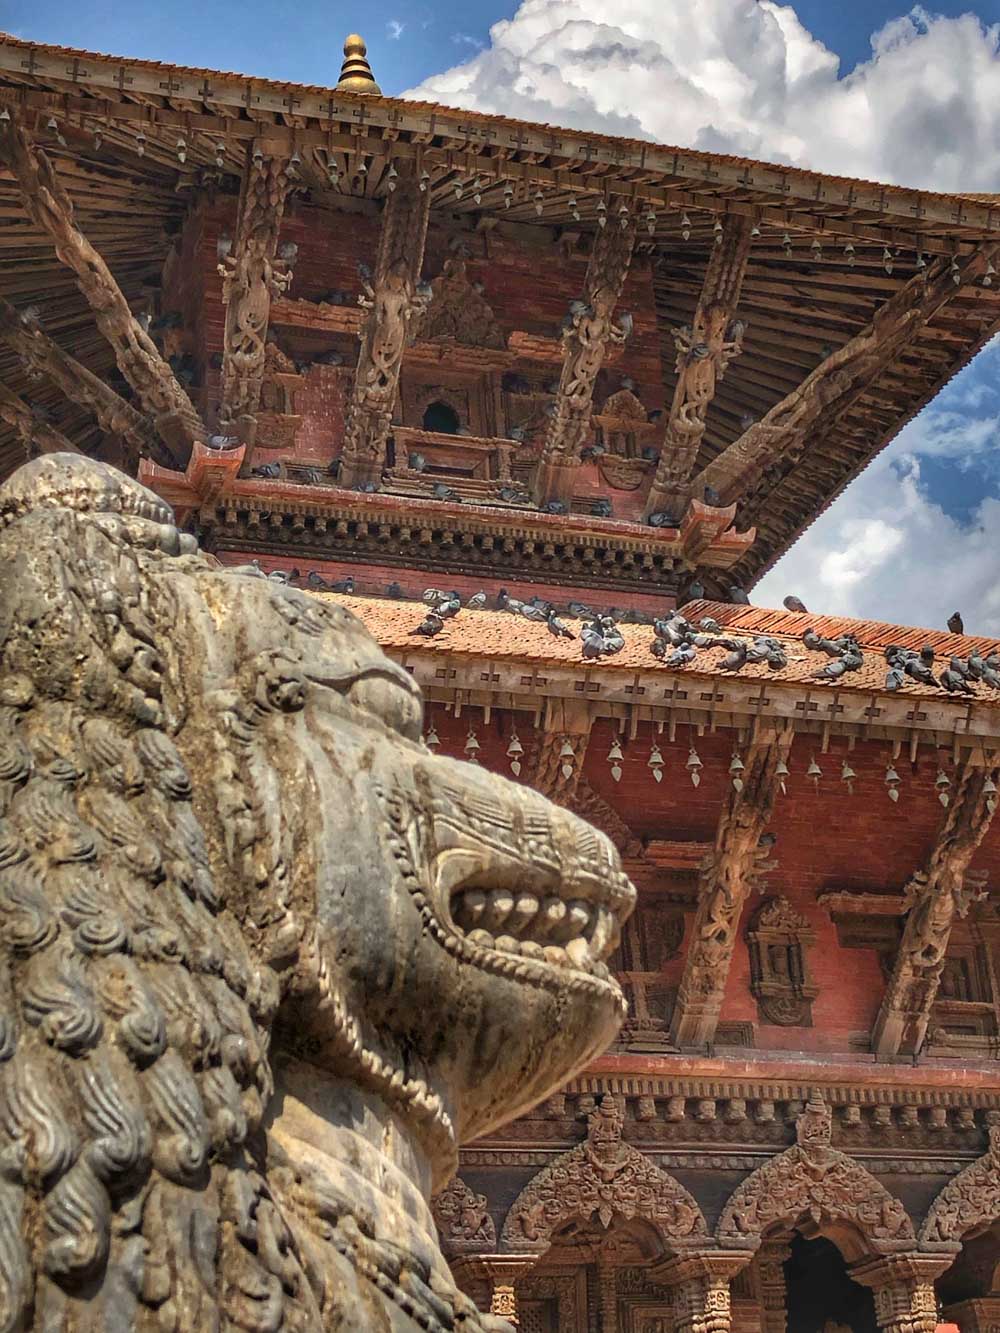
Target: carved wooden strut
35,434
139,360
704,351
804,414
251,275
589,329
725,883
393,304
42,356
937,895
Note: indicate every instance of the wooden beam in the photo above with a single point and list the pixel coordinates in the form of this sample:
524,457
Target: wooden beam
392,301
739,471
43,356
589,330
936,896
50,208
251,276
36,435
704,351
560,749
726,880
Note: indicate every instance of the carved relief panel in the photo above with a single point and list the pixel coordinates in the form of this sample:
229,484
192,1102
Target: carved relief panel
779,940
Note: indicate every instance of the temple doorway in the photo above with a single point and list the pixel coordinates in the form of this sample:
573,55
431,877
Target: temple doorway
821,1296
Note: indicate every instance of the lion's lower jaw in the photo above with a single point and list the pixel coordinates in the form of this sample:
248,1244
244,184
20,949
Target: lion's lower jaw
354,1185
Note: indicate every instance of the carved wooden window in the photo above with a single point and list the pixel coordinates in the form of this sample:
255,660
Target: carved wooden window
779,939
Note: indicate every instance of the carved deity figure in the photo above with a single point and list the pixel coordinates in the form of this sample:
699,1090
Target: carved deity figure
241,1035
704,352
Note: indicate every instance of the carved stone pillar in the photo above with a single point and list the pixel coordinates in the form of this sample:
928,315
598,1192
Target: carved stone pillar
726,878
589,330
251,276
699,1289
393,303
770,1261
704,351
937,895
903,1287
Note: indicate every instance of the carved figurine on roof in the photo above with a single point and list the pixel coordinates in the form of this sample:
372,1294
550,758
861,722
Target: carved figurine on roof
241,1035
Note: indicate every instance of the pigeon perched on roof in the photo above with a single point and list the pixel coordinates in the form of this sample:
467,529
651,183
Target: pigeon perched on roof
430,625
532,612
266,470
432,596
795,604
418,463
476,602
955,682
316,580
394,591
771,651
709,625
955,623
345,584
682,655
283,575
442,492
712,497
557,627
580,610
222,441
661,519
593,641
695,591
450,606
736,658
737,596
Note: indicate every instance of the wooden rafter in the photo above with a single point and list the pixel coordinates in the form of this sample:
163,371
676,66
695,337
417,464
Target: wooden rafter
44,356
835,384
590,329
50,208
252,274
35,433
392,302
704,351
937,895
726,880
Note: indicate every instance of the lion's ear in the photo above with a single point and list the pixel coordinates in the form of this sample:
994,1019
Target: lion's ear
133,1014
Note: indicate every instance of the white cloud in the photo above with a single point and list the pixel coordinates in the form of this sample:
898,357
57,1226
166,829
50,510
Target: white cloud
887,550
745,76
394,30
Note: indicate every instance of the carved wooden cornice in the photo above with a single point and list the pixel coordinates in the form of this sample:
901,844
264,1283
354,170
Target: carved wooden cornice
251,276
725,883
36,434
936,896
704,352
744,468
393,308
49,206
589,331
43,356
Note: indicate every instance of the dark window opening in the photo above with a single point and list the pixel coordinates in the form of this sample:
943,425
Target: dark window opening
821,1296
441,419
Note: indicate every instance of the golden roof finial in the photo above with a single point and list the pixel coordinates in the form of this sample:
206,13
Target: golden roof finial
355,73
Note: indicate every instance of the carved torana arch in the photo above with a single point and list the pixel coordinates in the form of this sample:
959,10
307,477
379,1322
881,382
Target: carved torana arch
969,1202
463,1221
604,1178
815,1183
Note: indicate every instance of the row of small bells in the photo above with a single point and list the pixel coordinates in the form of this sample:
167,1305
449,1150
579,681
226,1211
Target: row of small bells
656,764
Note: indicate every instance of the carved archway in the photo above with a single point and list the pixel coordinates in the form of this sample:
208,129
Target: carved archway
968,1203
814,1185
463,1220
604,1178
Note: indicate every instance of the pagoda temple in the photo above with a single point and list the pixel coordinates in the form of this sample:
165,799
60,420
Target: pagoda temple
540,407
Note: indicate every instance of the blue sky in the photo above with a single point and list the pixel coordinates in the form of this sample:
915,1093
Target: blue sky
869,88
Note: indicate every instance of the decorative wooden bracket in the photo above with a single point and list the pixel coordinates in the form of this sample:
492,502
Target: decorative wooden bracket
725,882
704,351
49,206
589,331
936,896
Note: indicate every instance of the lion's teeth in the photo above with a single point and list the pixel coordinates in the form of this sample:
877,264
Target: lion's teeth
499,905
469,908
525,911
555,956
530,949
551,917
507,944
481,937
601,940
600,970
578,952
578,915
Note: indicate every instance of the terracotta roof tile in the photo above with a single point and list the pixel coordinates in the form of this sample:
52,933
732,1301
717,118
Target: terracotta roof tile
498,636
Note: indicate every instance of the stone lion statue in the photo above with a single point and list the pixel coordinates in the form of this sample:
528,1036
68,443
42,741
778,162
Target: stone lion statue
253,990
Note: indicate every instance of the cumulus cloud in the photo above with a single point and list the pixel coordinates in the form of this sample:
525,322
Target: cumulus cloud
888,549
745,76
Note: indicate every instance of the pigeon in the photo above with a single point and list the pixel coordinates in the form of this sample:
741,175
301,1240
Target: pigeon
433,595
316,580
661,519
451,606
334,467
955,623
476,602
418,463
517,433
927,655
581,611
542,604
311,476
766,649
343,585
991,671
443,492
737,596
329,359
958,665
673,631
531,612
394,591
280,575
267,470
735,659
975,666
709,625
558,628
649,453
919,670
594,450
512,605
614,641
593,641
555,507
222,441
955,683
511,495
430,625
894,679
696,590
682,655
712,497
365,487
795,604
